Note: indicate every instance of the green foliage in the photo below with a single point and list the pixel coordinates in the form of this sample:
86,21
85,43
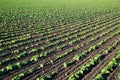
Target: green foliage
34,58
1,49
23,74
64,64
13,41
48,76
19,77
118,76
9,67
31,70
53,12
99,77
108,68
21,55
84,68
34,50
41,65
76,57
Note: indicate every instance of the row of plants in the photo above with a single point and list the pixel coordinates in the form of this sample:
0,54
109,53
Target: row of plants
77,58
7,60
87,67
103,34
108,68
48,76
20,44
90,34
34,58
32,51
75,35
21,38
83,54
23,74
11,31
86,52
12,67
85,29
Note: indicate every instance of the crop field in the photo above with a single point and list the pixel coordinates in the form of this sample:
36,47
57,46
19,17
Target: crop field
59,40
